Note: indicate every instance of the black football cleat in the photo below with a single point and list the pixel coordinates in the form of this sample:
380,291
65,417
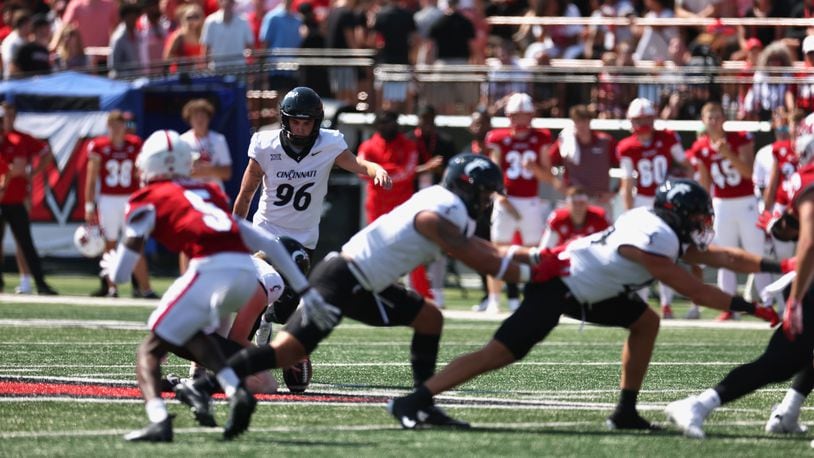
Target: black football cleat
404,411
241,408
154,432
435,416
46,290
199,403
630,421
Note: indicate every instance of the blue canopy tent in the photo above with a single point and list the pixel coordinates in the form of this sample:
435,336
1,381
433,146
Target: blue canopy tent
67,109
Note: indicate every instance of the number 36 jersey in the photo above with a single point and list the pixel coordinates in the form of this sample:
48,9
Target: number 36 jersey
518,180
293,190
599,272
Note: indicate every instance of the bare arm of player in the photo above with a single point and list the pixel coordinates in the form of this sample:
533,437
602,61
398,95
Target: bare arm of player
729,258
770,193
118,265
46,157
247,316
668,272
472,251
743,159
704,177
355,164
91,178
805,247
201,169
252,177
626,189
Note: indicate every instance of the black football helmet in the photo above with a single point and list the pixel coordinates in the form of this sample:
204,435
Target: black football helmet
289,300
301,103
473,178
687,208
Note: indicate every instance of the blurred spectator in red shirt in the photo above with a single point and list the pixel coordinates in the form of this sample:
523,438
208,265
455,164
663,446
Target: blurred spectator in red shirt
95,20
398,155
576,219
185,42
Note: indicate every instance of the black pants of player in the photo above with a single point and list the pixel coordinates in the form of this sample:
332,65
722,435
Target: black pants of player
16,216
540,311
781,360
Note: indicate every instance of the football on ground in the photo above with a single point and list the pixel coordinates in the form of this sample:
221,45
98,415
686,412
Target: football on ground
298,376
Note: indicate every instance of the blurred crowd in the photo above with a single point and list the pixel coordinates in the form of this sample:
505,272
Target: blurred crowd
669,65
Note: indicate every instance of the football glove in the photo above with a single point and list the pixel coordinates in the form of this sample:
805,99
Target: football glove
107,263
788,265
315,310
766,220
793,319
551,264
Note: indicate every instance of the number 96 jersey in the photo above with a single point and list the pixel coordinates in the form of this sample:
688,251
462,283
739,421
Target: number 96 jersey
294,188
188,216
599,272
117,165
518,180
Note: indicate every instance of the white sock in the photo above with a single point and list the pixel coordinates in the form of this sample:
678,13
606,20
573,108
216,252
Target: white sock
494,298
156,410
792,402
710,400
693,306
25,281
438,296
228,381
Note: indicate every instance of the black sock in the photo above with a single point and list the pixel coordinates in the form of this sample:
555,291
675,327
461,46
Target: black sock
512,291
627,401
423,354
421,396
207,384
253,360
803,382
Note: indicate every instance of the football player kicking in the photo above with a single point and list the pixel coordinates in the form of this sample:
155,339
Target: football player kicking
607,268
360,282
789,350
192,217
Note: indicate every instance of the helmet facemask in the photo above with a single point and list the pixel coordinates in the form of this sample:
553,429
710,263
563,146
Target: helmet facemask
702,232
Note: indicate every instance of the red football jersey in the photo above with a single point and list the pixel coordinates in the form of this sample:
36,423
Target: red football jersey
653,162
799,183
727,182
560,222
191,217
19,145
519,181
117,168
785,158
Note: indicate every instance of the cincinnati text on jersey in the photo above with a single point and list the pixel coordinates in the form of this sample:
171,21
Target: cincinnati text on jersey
294,174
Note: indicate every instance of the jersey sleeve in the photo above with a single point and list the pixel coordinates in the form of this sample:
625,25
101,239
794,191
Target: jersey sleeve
656,240
140,214
220,150
625,161
554,156
256,148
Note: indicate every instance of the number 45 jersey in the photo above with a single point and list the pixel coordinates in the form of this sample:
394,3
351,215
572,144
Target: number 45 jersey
599,272
185,216
294,188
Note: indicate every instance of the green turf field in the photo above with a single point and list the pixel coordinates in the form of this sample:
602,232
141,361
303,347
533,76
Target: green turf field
551,404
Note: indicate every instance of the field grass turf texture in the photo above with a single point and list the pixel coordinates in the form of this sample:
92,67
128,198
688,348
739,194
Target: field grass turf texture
67,388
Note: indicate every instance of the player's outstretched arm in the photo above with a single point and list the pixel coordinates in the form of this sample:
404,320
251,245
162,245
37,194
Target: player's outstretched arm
668,272
252,177
118,265
355,164
472,251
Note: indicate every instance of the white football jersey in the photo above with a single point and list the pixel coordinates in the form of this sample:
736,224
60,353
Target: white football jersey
293,191
390,247
271,280
599,272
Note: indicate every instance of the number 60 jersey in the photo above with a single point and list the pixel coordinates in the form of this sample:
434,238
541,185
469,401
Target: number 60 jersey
294,187
599,272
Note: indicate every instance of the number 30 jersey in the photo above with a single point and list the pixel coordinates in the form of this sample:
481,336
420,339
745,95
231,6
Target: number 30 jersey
599,272
117,165
652,162
187,216
293,190
518,180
